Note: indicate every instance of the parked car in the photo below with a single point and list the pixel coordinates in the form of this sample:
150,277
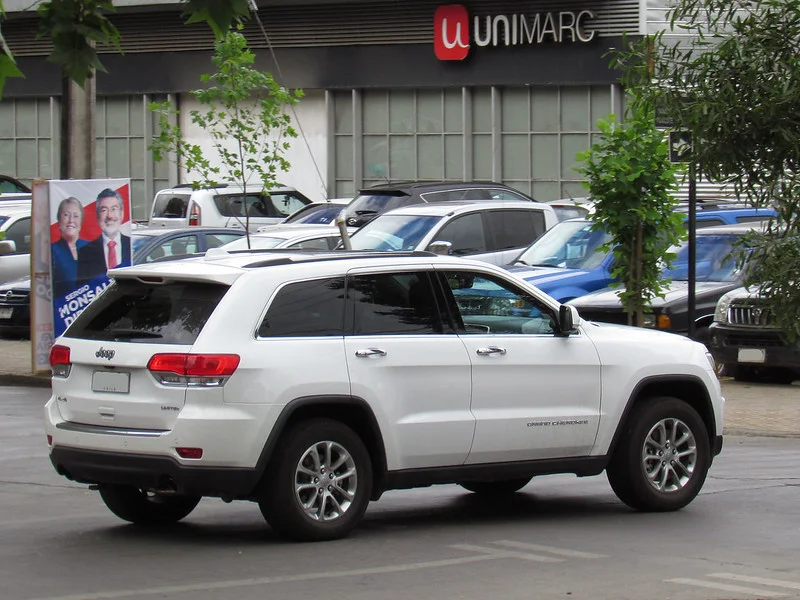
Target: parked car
746,343
379,199
15,241
566,262
710,213
316,213
224,206
311,383
147,245
295,237
490,231
572,208
11,185
717,272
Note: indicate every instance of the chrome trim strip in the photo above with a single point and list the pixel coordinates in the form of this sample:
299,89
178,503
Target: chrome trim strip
103,430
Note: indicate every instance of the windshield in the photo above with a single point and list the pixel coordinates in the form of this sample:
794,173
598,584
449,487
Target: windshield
3,220
317,215
257,242
367,206
715,259
568,245
393,232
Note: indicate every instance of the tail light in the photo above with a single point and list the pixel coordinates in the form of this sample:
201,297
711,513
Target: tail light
194,215
59,361
201,370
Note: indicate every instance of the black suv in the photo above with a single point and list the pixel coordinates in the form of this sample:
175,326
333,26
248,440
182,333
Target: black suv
379,199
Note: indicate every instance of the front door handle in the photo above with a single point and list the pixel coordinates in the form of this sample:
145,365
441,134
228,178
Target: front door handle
370,352
491,351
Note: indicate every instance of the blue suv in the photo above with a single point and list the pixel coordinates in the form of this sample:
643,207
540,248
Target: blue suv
566,262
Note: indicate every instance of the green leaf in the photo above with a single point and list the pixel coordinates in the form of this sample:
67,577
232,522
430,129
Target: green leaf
221,15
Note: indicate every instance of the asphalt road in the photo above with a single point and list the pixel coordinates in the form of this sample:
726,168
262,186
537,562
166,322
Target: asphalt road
561,537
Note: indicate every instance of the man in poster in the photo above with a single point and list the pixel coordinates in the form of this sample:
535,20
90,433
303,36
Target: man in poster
111,248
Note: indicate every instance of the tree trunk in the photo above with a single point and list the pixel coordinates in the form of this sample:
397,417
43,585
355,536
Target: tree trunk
639,315
77,129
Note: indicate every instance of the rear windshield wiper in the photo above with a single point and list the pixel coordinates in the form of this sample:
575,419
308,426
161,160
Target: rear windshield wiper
544,265
132,333
366,212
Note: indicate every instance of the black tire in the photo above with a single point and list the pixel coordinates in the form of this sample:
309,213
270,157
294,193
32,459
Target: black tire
673,487
144,508
286,486
504,487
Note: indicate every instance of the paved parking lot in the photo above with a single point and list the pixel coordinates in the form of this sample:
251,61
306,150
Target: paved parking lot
751,408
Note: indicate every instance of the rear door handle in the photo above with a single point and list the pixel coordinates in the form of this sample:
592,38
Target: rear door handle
491,351
370,352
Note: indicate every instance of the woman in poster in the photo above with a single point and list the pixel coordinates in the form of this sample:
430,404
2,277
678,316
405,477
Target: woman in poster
64,251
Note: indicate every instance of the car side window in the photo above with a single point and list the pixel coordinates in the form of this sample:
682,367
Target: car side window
514,228
320,243
393,304
285,203
498,194
490,305
306,309
705,223
215,240
20,234
185,244
465,233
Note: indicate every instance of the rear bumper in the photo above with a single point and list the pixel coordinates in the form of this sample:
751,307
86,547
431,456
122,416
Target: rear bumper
725,343
152,473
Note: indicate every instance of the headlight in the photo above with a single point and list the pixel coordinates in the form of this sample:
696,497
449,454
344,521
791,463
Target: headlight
721,312
649,320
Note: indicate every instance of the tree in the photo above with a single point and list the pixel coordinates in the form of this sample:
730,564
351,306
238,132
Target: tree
630,178
244,117
732,80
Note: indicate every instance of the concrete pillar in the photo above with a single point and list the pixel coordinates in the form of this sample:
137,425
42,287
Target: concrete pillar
77,129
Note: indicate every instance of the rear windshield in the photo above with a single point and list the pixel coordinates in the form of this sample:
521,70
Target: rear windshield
276,204
170,205
137,312
370,205
317,215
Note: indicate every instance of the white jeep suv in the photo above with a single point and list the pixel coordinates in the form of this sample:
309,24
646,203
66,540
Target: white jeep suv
313,382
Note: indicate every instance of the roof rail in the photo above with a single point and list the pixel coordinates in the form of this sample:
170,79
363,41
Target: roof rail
303,256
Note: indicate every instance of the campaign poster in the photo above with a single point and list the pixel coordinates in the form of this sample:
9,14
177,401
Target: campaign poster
90,226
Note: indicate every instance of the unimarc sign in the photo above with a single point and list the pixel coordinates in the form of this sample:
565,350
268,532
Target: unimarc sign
453,37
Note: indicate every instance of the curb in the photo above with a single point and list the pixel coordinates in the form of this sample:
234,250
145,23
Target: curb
9,379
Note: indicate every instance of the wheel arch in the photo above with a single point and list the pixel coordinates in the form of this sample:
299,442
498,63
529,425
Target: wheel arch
688,388
350,410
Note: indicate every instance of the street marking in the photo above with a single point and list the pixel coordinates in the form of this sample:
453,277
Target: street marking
222,585
759,580
507,553
550,549
727,588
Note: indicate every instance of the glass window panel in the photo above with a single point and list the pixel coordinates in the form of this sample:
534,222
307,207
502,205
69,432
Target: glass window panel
482,156
516,156
344,157
573,189
116,116
482,111
515,110
453,111
137,157
453,157
601,104
345,189
7,119
544,109
26,118
100,158
401,111
574,109
117,152
402,158
161,169
570,146
138,200
343,112
522,186
429,111
43,117
396,303
430,157
374,107
544,156
45,164
376,157
544,191
27,159
100,118
8,163
136,116
158,184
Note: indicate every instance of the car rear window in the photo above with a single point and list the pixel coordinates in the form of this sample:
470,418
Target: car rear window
133,311
169,205
276,204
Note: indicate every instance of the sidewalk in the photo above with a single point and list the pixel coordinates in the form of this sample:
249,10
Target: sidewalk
751,408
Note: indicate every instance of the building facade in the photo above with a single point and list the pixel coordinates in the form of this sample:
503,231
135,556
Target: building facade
505,90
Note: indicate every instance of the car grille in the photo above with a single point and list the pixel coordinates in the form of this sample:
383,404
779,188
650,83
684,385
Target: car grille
14,297
749,314
758,340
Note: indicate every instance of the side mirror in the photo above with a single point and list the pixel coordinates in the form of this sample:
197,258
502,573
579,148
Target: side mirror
8,247
441,247
568,319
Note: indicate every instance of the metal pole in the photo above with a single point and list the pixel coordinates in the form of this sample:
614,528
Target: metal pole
692,245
